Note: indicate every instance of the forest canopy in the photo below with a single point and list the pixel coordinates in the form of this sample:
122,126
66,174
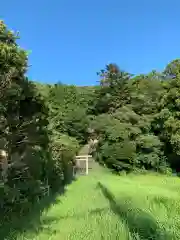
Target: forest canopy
134,118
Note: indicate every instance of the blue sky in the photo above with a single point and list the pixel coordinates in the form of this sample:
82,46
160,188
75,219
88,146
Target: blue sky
71,40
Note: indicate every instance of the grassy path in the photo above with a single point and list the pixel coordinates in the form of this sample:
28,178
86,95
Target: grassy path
104,206
82,213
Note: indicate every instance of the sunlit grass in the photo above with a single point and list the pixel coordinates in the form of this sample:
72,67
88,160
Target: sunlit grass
105,206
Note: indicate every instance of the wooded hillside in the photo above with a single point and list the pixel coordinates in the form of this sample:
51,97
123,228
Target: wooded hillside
134,118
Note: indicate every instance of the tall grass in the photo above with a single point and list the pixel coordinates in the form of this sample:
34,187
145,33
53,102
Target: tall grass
105,206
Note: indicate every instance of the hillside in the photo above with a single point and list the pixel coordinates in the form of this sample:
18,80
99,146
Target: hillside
134,121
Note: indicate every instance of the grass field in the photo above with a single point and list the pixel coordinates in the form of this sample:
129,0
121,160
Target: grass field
105,206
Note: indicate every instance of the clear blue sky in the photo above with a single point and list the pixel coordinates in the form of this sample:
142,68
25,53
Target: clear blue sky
71,40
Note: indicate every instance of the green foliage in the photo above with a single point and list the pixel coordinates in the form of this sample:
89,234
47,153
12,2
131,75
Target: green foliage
139,127
146,91
123,143
38,159
135,120
173,69
113,91
68,110
22,129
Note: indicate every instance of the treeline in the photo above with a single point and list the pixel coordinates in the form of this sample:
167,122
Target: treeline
134,118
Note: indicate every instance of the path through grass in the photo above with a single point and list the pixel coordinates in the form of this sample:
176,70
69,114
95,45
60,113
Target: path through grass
104,206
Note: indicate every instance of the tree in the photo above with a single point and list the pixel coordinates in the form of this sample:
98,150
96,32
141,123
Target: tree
146,91
166,122
23,134
113,91
172,70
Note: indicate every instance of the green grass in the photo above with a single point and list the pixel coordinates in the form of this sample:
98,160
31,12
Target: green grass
105,206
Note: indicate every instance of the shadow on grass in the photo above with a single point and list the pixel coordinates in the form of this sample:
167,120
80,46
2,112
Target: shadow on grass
34,221
138,221
96,211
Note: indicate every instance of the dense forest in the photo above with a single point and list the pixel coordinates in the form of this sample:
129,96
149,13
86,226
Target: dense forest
134,118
